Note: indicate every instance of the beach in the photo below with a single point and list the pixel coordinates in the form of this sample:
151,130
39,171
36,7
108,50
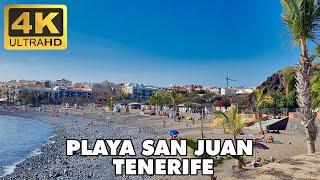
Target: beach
53,163
94,124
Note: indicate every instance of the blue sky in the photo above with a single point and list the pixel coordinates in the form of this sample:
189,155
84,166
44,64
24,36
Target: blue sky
160,43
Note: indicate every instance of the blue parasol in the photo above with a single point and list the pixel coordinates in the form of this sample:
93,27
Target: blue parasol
173,132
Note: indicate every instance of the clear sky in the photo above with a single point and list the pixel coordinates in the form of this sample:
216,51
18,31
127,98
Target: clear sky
160,43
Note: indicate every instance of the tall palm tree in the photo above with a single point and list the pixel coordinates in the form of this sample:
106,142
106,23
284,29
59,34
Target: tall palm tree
233,123
35,98
111,103
124,96
303,20
260,99
175,98
156,99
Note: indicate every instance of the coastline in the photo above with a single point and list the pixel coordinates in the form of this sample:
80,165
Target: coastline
19,123
9,169
52,163
22,165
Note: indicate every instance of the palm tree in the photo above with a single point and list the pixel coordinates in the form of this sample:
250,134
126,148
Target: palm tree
156,99
261,99
233,123
24,96
124,96
174,97
35,98
302,18
288,79
111,103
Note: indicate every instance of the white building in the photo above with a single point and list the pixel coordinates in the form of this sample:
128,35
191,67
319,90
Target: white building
228,91
139,91
62,83
245,90
240,90
55,94
215,90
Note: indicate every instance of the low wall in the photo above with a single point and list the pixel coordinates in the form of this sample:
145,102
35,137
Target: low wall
294,116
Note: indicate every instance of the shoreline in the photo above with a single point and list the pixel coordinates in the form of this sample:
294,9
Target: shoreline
8,169
11,169
52,163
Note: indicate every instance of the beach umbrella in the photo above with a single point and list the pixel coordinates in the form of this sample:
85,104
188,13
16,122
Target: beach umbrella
172,132
257,145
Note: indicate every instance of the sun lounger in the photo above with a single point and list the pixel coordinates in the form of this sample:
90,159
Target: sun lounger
278,125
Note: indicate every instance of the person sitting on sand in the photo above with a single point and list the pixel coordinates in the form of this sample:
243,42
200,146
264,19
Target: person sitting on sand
178,117
256,163
259,139
269,139
173,136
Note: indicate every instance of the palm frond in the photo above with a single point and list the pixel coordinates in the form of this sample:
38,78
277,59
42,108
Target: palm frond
220,119
261,99
302,17
218,122
230,119
192,144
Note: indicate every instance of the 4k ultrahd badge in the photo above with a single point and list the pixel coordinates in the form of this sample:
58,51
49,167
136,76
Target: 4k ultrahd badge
35,27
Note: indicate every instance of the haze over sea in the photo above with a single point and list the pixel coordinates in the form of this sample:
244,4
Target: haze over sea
19,138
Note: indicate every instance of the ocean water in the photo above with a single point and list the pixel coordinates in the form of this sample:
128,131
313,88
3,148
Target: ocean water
20,138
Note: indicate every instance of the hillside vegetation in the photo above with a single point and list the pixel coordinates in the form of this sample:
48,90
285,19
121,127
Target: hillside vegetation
281,85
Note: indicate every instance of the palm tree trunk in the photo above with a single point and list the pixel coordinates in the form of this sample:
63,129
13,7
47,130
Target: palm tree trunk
238,162
259,119
174,110
261,129
304,100
157,109
224,129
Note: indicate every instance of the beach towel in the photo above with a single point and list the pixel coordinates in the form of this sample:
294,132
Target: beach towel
277,142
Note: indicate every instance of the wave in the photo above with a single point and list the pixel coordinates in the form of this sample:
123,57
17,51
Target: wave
9,169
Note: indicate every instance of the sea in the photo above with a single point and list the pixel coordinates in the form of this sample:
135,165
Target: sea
20,138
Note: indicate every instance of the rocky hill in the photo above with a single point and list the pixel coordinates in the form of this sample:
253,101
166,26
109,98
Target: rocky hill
277,81
274,83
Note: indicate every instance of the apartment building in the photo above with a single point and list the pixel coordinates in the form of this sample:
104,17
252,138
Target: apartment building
139,91
104,90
